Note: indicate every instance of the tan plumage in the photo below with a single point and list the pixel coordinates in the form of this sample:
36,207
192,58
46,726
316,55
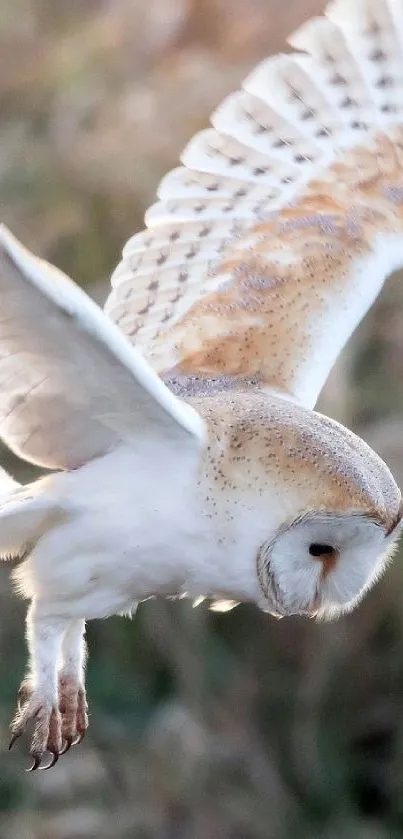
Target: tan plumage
215,478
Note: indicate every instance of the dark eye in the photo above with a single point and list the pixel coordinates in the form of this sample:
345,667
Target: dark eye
316,549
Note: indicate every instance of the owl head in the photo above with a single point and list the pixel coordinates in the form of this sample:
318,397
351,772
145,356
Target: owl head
322,560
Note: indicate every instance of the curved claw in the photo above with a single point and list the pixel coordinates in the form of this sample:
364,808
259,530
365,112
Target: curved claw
35,764
12,741
67,745
55,758
79,739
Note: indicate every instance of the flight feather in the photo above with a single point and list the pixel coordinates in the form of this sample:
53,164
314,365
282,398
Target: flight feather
268,245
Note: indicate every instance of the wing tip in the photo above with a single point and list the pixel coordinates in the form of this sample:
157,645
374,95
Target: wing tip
301,37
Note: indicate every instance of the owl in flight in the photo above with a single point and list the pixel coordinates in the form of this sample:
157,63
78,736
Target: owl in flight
179,423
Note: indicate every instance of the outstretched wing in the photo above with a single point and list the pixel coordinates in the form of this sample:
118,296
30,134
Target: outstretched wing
71,386
269,244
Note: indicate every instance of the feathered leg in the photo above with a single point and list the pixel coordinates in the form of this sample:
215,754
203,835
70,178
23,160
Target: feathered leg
38,698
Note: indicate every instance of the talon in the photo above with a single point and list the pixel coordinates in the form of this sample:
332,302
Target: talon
79,739
35,764
13,739
66,746
55,758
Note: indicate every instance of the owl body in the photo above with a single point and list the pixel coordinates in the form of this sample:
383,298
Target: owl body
267,467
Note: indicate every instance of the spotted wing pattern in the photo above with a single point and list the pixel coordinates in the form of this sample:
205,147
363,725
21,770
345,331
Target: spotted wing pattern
271,241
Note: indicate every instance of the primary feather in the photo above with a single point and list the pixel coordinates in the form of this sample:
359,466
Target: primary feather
270,243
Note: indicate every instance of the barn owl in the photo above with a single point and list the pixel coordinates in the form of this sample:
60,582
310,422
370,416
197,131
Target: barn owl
179,423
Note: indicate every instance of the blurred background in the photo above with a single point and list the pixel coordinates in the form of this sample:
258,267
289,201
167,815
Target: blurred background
203,726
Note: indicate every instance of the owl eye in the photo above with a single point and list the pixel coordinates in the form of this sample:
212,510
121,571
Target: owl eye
317,549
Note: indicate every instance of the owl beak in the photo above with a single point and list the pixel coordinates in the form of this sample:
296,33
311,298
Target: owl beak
397,521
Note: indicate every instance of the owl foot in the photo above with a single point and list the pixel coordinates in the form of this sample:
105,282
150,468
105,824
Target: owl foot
57,725
47,735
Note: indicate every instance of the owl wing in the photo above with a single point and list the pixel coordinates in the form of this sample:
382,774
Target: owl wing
269,244
71,385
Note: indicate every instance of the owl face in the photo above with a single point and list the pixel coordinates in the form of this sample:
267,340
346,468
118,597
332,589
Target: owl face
334,509
321,564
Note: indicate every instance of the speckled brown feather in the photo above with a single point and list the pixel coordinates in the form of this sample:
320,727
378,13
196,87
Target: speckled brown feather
266,442
264,321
